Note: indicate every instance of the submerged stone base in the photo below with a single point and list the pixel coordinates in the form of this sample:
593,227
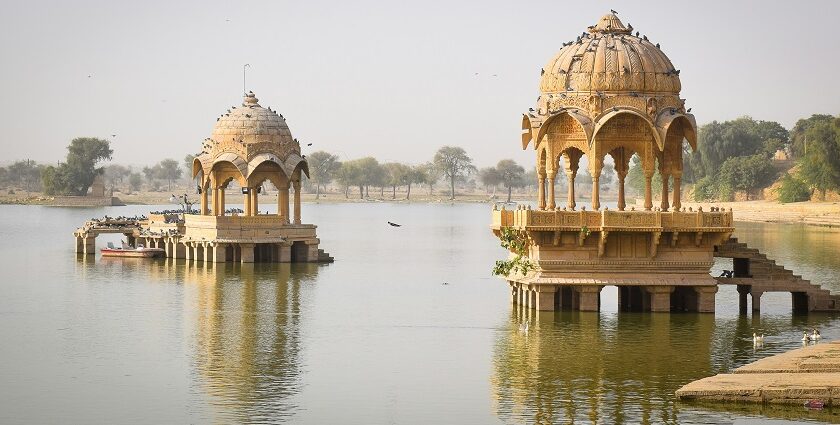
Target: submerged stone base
795,377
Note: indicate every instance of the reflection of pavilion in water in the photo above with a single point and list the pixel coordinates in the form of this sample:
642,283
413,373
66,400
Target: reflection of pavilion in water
589,367
581,370
247,340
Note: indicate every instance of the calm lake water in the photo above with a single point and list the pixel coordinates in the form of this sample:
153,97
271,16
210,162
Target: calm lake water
373,338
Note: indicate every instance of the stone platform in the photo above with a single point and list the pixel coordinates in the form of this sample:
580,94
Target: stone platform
809,373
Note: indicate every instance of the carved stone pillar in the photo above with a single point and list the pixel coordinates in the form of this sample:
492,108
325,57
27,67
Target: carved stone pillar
621,202
247,209
677,190
221,201
204,208
648,192
296,185
665,178
571,200
552,177
283,203
541,190
596,190
255,207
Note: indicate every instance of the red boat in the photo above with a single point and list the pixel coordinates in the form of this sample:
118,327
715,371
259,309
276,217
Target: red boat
814,404
130,252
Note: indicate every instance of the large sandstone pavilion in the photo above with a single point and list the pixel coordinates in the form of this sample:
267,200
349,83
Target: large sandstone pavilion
612,92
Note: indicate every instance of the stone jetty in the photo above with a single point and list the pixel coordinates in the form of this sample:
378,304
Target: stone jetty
794,377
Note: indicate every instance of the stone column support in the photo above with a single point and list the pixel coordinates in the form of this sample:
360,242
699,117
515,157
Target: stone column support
590,298
514,293
706,298
596,190
219,252
743,292
296,185
660,298
247,252
541,190
648,192
188,251
545,298
756,300
664,204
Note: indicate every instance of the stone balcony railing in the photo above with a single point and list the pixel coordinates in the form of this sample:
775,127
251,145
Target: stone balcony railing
528,219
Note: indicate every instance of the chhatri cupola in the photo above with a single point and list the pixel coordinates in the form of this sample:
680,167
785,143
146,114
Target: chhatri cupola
249,145
610,91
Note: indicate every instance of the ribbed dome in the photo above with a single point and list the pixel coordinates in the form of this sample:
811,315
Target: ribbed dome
251,123
610,58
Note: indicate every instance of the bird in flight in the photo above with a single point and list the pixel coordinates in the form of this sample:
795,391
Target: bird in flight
309,144
395,224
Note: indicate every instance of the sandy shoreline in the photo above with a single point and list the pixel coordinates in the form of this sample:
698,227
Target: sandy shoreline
811,213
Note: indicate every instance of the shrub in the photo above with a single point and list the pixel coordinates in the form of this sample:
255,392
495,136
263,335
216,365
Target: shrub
793,190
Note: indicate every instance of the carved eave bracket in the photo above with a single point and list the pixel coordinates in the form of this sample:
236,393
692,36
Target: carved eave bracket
654,243
602,242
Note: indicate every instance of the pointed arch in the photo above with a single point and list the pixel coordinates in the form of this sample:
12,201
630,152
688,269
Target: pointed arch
612,114
689,126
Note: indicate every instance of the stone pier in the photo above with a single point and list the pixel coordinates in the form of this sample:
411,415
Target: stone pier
794,377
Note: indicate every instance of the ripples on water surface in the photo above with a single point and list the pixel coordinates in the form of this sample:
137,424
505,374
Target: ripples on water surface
372,338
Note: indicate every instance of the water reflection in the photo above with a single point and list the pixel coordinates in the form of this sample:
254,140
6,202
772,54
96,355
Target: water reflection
247,336
625,367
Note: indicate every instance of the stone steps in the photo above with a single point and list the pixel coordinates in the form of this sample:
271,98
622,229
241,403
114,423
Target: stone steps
768,276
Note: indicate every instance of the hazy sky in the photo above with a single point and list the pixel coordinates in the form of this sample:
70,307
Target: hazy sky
391,79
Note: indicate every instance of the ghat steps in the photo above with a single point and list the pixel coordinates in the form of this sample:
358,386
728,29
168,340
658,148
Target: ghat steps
756,274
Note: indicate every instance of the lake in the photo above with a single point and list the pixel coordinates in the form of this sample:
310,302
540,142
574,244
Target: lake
376,337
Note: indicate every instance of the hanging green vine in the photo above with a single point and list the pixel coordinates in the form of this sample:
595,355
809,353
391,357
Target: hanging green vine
515,242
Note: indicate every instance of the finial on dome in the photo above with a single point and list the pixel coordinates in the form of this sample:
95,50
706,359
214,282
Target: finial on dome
609,23
250,99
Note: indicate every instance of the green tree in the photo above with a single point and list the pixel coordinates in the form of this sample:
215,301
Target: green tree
511,175
454,163
798,139
490,178
433,175
820,167
396,174
323,167
24,174
416,174
188,165
75,176
116,174
349,175
135,181
169,170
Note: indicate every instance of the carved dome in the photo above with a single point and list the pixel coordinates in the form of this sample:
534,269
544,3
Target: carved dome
251,123
610,58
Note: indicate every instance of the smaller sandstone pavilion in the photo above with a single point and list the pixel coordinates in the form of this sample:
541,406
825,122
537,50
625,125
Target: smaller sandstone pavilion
613,92
249,145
